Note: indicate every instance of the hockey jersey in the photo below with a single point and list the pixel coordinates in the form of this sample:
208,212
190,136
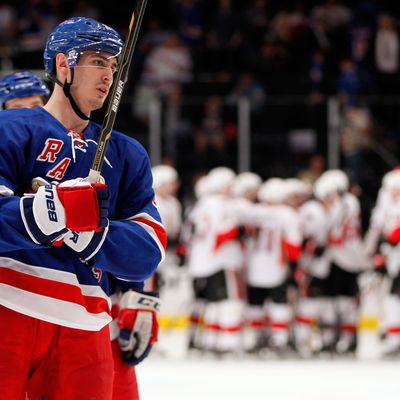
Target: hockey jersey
313,222
51,283
278,234
346,247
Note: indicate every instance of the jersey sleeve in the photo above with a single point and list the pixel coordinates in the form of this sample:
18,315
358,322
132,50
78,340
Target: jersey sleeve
117,285
13,235
13,147
136,242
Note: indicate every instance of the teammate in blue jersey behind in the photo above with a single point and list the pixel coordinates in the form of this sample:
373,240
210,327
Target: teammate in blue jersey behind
22,90
59,245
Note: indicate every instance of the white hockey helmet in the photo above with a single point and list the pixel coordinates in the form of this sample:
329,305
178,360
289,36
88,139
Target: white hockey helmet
297,187
220,179
386,180
163,175
246,182
272,191
332,181
201,187
338,178
392,180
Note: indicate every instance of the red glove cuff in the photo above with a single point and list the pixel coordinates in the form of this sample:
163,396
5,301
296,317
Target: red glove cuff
127,318
81,207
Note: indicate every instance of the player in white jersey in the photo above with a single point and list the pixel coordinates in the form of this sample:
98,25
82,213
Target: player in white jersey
244,195
387,255
215,263
165,185
315,316
373,235
193,250
346,252
272,261
172,277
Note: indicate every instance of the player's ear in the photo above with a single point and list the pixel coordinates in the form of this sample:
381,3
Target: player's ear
62,67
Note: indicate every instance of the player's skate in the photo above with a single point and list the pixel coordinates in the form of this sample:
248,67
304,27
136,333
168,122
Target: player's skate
346,344
391,346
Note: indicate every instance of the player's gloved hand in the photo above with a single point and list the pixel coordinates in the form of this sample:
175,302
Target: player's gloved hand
75,205
138,325
86,244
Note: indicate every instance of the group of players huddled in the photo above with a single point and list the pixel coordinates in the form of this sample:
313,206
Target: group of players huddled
277,266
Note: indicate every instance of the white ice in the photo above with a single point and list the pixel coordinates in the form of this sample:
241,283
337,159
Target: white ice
202,379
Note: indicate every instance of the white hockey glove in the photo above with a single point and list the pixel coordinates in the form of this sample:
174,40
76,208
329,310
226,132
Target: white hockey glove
86,244
73,205
138,325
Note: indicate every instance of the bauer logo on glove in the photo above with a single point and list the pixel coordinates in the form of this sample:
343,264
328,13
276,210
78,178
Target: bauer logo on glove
55,209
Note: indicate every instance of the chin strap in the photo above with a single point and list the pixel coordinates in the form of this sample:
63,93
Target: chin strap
66,86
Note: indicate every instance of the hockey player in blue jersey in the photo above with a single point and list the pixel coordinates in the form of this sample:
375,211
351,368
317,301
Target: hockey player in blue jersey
26,90
58,246
22,90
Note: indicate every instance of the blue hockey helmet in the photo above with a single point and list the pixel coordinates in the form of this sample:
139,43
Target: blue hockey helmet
79,34
21,84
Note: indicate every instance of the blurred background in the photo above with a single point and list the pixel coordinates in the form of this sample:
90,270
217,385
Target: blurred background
303,68
288,89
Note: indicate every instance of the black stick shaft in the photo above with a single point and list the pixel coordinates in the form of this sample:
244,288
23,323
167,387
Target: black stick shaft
117,89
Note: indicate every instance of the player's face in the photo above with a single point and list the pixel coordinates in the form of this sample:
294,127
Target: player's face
395,193
93,79
330,200
25,102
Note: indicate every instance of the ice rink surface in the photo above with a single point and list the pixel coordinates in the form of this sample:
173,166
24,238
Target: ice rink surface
329,379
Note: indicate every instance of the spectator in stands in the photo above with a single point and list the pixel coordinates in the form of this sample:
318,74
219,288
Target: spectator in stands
8,26
348,83
177,126
224,31
297,18
86,8
387,55
211,137
190,23
167,68
272,63
256,22
37,19
152,36
360,44
355,137
334,12
317,71
247,86
316,166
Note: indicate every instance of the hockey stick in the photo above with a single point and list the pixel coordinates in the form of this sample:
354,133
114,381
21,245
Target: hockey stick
116,90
